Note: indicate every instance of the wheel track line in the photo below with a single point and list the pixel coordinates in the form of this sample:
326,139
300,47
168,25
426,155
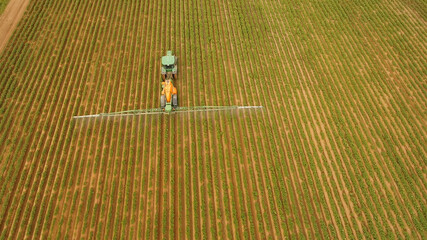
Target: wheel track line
160,157
22,168
178,145
164,179
191,153
173,204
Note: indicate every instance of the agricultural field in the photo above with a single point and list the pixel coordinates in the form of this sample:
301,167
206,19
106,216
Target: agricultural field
338,151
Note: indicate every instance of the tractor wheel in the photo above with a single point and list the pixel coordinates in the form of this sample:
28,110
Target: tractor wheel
162,101
175,100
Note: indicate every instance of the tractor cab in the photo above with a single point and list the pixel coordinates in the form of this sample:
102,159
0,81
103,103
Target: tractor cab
169,66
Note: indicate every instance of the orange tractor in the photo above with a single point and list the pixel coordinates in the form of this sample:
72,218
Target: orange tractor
169,97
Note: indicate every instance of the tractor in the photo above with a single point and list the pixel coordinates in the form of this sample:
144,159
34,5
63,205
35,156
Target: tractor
169,66
169,96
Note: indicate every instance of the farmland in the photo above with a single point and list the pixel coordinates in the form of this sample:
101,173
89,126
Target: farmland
338,151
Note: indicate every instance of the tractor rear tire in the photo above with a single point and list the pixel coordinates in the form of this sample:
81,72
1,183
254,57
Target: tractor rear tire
175,100
162,101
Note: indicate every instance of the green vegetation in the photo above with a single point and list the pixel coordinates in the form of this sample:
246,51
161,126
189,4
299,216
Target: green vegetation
3,5
336,153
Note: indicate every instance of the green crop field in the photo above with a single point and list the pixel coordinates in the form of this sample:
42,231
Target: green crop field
339,150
